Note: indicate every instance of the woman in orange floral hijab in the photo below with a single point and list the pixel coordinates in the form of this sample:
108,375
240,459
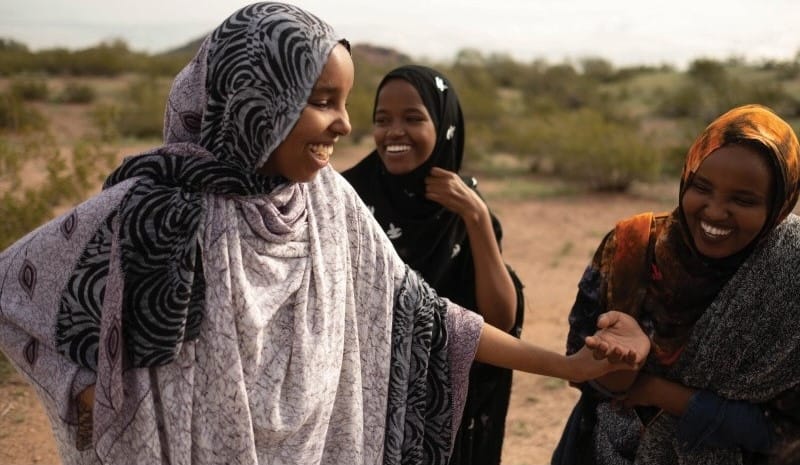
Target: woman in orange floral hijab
714,284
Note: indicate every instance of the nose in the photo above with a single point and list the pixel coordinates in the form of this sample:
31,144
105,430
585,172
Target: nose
716,210
395,130
341,126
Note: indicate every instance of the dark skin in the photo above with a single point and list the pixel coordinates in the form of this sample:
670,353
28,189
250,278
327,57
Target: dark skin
730,195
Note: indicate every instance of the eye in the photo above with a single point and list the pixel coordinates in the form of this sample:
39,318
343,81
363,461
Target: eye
380,120
319,103
746,201
701,186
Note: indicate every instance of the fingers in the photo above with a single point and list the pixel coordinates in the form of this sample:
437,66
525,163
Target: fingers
437,172
613,352
608,319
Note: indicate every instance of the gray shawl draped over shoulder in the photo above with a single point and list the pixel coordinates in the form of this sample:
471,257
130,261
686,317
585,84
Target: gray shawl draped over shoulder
745,346
226,317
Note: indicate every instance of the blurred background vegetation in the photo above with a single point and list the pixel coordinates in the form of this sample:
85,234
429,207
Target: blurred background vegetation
65,115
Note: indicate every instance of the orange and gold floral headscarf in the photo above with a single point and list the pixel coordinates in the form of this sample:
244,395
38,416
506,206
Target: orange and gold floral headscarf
758,124
682,282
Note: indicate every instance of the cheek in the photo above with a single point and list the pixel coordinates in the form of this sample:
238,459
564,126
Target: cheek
690,203
757,220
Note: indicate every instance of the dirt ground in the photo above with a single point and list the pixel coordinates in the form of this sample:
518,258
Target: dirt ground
548,241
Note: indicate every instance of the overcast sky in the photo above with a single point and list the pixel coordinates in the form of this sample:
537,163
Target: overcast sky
622,31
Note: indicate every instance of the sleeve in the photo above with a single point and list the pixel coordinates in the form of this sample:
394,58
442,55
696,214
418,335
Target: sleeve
589,301
464,330
713,421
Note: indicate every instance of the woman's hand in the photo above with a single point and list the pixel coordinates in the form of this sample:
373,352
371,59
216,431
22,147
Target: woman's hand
619,339
495,296
448,189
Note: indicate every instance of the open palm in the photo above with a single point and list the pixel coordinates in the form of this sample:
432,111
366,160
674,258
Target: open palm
620,339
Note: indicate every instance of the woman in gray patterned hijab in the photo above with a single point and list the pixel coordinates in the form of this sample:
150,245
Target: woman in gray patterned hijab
227,298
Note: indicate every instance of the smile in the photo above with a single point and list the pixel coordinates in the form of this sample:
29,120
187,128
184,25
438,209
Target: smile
321,152
714,232
397,148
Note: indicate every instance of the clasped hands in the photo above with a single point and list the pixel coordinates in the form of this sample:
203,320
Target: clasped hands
619,343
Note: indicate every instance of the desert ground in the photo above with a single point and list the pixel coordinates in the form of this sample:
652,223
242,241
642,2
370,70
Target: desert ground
549,240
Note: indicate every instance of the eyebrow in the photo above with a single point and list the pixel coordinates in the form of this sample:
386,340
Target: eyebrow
738,191
324,89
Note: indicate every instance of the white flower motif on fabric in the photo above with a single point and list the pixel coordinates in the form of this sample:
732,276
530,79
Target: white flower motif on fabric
451,131
394,232
440,84
456,250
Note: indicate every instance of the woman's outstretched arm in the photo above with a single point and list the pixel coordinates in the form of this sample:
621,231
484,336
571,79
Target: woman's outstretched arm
619,344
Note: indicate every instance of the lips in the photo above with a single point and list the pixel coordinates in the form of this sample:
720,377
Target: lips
715,232
397,149
321,152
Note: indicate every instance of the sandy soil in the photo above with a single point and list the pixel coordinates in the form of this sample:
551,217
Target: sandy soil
548,242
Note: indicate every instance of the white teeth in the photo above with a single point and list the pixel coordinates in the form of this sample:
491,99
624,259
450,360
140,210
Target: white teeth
397,148
714,231
322,151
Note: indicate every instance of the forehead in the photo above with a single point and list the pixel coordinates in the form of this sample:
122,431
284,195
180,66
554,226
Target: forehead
399,92
739,167
338,72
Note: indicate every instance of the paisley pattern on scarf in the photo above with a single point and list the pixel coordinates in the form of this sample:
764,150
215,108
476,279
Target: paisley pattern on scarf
260,310
251,91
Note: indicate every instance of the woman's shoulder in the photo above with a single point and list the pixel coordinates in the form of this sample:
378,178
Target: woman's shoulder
787,235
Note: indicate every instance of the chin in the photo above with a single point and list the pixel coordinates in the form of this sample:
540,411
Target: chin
304,178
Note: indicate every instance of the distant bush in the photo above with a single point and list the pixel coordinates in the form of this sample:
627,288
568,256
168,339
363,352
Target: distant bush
587,147
705,99
74,92
30,88
16,116
106,59
139,114
105,117
142,115
67,182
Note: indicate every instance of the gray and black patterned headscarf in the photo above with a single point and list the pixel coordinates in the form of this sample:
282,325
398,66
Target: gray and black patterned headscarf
227,111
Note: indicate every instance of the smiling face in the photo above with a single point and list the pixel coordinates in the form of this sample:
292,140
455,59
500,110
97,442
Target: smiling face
728,200
403,130
309,145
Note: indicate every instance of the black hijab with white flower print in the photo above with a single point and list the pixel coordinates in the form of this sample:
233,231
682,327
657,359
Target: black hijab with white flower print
429,237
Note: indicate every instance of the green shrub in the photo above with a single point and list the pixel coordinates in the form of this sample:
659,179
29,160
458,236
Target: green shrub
30,88
142,114
587,147
16,116
66,183
74,92
105,117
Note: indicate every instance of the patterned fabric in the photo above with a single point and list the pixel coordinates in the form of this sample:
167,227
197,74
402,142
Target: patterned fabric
718,325
274,301
433,240
423,415
160,217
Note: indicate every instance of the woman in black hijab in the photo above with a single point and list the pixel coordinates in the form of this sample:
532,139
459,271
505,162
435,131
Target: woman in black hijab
440,225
